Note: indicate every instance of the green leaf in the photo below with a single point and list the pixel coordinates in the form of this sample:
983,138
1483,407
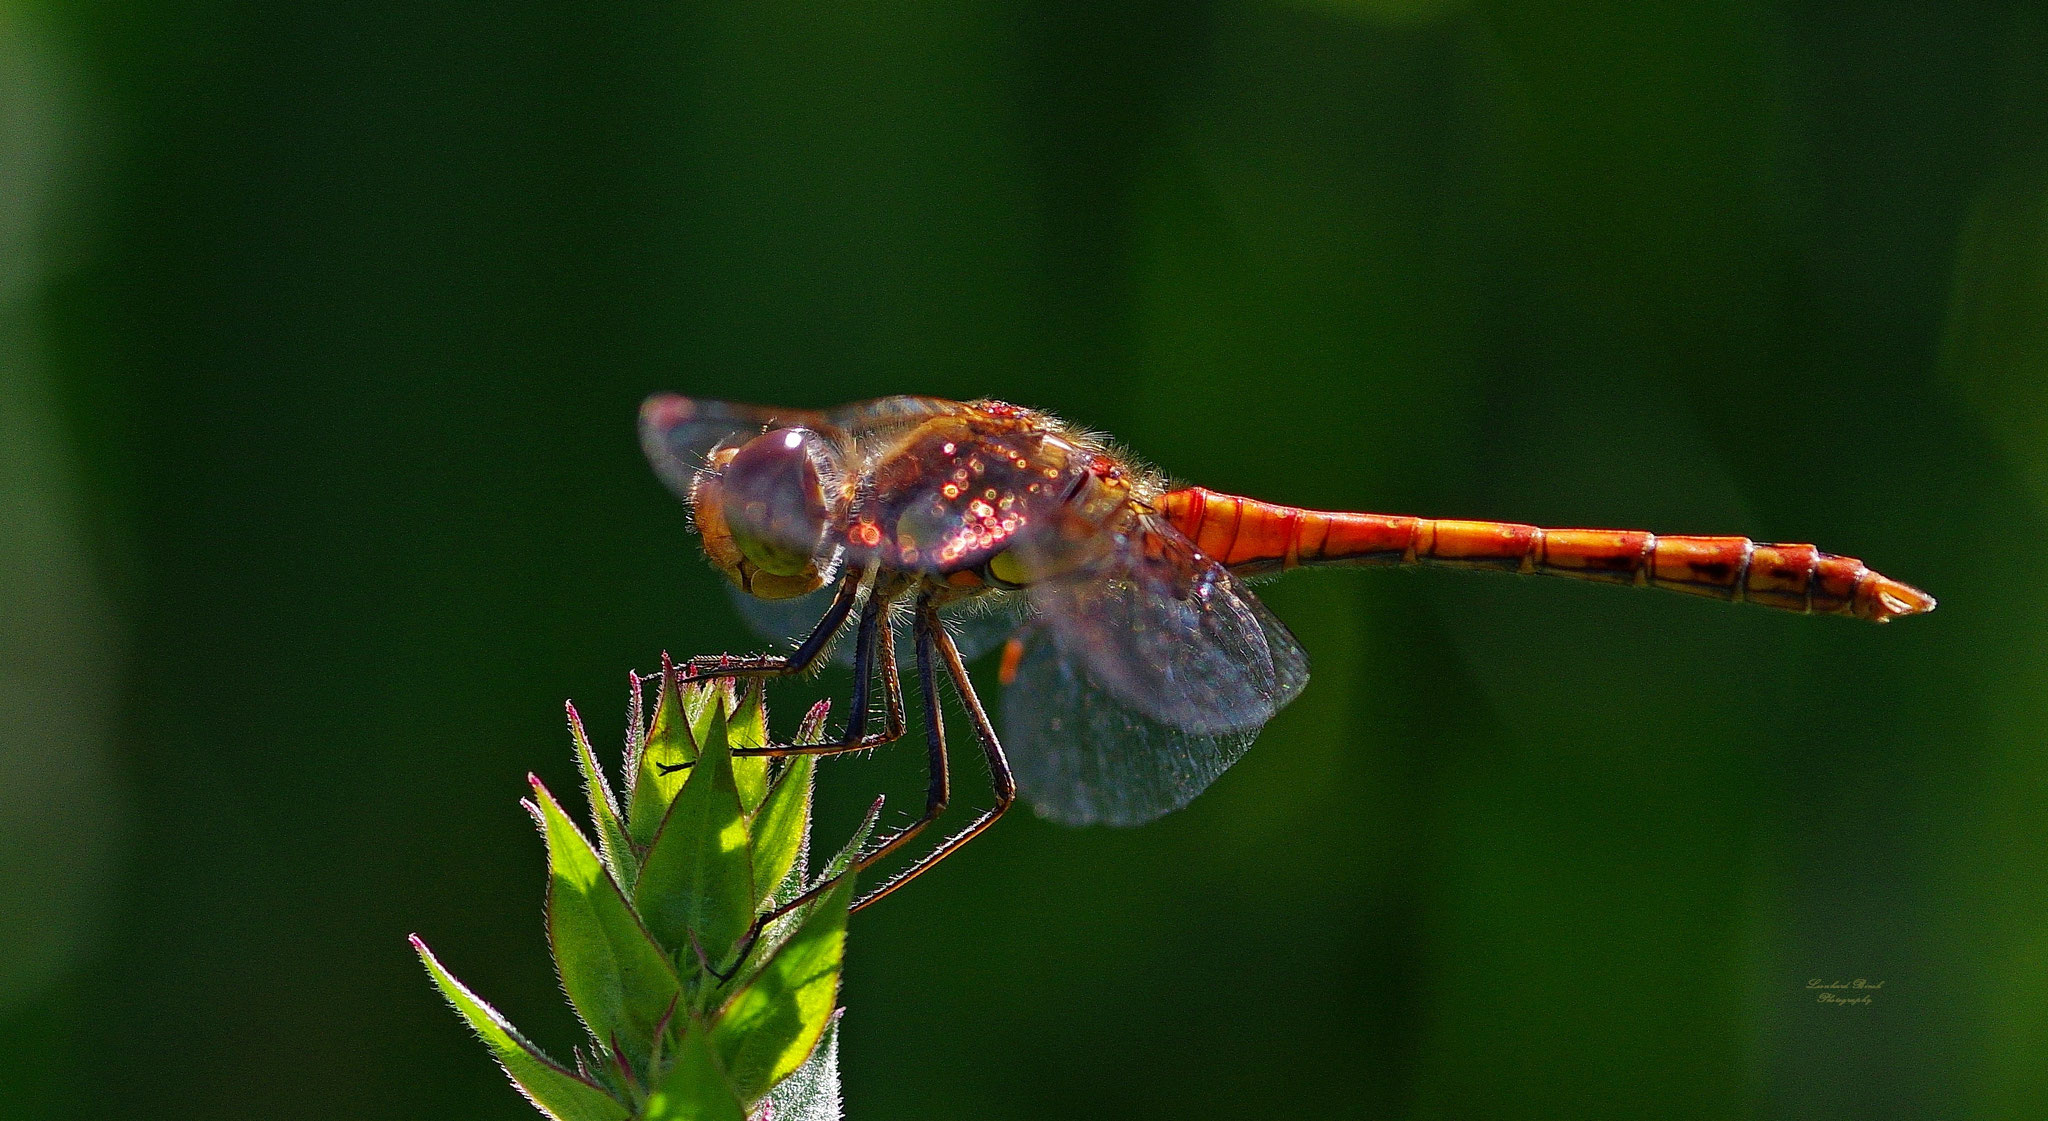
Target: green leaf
812,1093
552,1089
694,1088
767,1030
698,877
748,727
707,702
779,931
844,858
620,981
781,830
813,725
670,742
636,726
604,808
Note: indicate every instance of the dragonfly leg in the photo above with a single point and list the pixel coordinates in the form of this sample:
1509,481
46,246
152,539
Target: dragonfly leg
931,638
1003,782
874,638
876,643
807,655
938,786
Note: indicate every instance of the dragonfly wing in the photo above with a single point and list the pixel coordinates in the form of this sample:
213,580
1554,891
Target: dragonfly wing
977,627
789,621
1083,757
1143,680
1172,634
678,433
881,416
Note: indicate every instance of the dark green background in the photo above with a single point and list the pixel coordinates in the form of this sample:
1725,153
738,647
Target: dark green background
324,328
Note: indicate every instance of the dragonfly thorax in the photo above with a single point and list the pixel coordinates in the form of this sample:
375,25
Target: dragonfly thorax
985,498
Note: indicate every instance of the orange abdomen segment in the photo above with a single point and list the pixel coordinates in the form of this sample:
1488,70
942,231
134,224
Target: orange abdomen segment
1249,536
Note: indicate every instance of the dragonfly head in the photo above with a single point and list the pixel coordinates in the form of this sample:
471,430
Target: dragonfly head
766,510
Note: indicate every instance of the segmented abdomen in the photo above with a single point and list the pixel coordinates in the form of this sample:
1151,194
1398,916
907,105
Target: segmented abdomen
1250,536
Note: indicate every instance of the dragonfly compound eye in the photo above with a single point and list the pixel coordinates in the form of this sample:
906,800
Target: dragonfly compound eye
775,500
765,511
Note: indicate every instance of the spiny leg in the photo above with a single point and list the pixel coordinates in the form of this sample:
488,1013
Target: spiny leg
876,642
930,634
808,653
874,635
1003,782
931,637
938,785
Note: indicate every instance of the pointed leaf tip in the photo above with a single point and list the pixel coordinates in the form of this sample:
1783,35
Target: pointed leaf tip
612,842
636,727
615,974
662,765
552,1088
813,724
747,726
780,832
697,877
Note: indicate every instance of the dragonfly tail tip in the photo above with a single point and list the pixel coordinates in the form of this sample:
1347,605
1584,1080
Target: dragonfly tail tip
1892,599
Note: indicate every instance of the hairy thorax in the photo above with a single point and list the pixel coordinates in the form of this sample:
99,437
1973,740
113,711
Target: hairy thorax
993,497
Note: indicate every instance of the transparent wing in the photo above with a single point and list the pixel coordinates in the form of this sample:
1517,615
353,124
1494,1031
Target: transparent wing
1143,680
1173,635
789,621
677,432
977,626
882,415
1083,757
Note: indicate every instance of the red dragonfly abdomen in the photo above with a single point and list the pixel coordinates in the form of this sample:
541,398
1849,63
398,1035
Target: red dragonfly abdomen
1249,536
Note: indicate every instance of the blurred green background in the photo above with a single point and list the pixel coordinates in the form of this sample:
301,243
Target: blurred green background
322,328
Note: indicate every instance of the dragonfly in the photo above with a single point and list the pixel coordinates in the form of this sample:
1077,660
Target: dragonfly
1137,665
